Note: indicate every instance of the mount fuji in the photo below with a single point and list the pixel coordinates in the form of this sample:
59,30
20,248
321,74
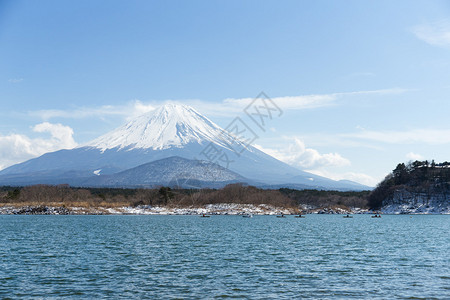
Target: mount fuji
173,139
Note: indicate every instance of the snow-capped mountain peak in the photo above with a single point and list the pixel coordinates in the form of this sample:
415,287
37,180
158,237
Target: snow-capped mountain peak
171,125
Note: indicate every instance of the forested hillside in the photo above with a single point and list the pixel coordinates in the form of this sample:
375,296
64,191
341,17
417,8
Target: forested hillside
420,180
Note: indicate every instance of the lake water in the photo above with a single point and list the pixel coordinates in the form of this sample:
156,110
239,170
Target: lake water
169,257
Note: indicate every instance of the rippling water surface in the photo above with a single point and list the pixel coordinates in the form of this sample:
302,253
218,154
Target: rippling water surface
320,256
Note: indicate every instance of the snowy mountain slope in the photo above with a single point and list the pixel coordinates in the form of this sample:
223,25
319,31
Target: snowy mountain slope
171,130
168,126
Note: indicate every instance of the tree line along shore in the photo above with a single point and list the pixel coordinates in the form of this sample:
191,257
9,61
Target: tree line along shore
66,196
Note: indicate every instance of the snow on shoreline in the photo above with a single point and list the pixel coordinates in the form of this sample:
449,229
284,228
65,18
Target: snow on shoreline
210,209
406,202
420,209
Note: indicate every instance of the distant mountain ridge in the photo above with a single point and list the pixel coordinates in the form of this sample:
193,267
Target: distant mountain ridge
173,171
169,131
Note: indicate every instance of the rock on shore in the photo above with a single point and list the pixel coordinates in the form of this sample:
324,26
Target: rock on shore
405,202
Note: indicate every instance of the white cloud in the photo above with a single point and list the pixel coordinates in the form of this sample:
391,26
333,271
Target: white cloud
228,107
79,113
435,34
297,154
129,110
294,102
414,156
61,136
357,177
141,108
311,101
15,80
362,74
16,148
427,136
310,160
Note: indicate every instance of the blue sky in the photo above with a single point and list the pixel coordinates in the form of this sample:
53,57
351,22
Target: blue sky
363,85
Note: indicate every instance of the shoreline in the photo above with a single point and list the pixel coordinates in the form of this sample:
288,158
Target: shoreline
210,209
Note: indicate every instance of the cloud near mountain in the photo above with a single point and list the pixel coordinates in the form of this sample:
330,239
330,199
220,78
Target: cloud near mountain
15,148
297,154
